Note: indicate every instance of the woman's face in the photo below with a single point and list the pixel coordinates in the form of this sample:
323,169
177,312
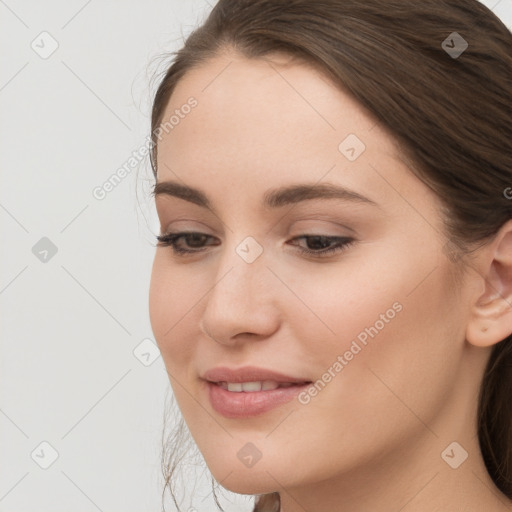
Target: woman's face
377,326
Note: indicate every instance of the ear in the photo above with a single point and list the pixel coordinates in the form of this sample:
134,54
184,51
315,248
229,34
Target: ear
491,315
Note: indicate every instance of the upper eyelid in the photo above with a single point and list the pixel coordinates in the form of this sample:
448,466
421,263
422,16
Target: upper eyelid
303,233
320,217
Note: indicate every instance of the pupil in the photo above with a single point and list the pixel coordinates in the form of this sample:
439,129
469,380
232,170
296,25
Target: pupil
196,240
319,244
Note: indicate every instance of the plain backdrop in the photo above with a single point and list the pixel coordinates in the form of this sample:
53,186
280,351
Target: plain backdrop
83,387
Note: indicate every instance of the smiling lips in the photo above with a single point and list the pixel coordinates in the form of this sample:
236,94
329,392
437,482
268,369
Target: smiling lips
249,391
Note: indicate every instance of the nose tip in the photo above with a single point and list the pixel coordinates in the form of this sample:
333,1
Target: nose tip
220,341
240,305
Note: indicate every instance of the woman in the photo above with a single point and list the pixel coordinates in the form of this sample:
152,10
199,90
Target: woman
332,287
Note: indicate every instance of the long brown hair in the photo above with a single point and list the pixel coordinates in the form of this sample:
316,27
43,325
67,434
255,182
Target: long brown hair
450,113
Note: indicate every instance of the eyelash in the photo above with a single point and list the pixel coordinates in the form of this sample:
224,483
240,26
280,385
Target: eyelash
342,243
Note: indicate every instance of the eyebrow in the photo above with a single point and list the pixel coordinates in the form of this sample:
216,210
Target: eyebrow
274,198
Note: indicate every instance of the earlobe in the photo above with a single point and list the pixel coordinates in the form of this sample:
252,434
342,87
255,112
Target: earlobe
481,332
491,316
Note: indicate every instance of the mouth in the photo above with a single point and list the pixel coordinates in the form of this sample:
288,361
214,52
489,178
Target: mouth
239,400
250,390
255,386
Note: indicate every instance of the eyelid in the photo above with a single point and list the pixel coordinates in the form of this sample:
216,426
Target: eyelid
315,213
316,223
166,227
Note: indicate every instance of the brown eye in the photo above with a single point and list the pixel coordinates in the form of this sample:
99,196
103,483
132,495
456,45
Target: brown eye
321,246
193,241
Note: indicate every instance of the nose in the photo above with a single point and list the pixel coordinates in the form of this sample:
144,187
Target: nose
242,303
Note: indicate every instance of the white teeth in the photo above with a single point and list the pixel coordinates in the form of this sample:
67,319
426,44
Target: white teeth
269,384
248,387
235,386
251,386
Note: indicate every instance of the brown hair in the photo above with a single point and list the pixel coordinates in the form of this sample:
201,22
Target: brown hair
450,115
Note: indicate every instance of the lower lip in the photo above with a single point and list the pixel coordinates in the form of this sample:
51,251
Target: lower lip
232,404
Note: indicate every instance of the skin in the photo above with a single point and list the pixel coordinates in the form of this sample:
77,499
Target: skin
372,438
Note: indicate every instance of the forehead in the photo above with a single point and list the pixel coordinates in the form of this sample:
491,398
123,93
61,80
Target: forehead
275,103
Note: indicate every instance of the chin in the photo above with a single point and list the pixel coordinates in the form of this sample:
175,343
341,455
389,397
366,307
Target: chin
249,484
241,480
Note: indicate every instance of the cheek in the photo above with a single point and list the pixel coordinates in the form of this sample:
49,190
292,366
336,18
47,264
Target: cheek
174,299
403,297
393,335
356,299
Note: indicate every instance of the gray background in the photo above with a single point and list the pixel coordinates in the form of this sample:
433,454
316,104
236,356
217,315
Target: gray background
79,368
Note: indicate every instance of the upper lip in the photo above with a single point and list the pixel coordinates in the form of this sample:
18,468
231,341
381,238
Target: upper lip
247,374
